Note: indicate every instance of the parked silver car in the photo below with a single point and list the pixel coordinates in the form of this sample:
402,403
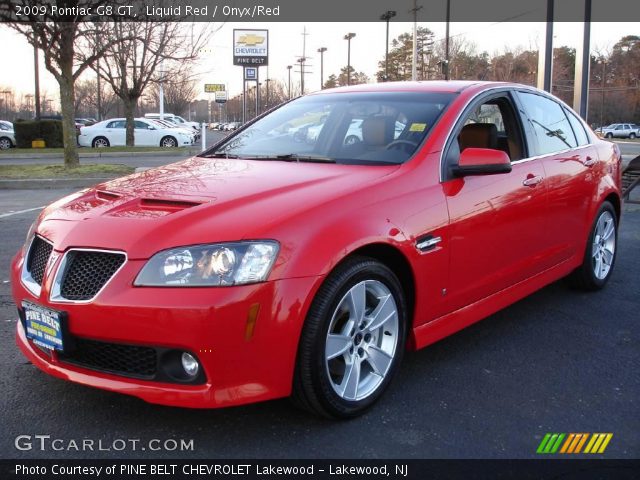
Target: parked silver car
620,130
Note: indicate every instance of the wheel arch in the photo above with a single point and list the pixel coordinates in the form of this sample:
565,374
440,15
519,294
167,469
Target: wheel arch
614,199
393,258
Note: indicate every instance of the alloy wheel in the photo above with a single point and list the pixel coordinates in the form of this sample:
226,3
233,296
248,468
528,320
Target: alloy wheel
604,245
362,340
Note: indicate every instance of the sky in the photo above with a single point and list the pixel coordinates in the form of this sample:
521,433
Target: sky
285,45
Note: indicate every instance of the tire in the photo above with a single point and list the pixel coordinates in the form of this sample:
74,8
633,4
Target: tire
5,143
100,142
168,142
597,264
351,140
632,135
609,135
361,344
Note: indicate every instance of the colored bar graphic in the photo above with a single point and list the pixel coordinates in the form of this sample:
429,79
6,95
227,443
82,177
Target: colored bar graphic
551,443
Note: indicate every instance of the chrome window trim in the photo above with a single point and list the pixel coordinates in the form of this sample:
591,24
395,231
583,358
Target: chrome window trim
25,277
513,88
55,295
538,157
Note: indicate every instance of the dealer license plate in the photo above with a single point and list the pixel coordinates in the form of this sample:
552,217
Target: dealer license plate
43,326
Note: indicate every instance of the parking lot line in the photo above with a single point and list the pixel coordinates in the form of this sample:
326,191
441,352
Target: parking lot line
9,214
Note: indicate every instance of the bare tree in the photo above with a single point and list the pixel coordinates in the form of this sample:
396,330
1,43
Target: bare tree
179,90
87,99
151,51
64,41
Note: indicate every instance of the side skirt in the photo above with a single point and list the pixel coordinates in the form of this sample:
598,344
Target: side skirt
450,323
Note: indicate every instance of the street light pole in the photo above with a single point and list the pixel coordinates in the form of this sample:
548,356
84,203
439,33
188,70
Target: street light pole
446,43
388,15
348,38
289,67
604,76
321,50
37,79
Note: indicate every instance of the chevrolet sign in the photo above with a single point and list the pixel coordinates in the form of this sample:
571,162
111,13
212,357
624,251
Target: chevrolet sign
250,47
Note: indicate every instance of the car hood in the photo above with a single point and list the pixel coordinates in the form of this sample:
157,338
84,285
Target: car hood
196,201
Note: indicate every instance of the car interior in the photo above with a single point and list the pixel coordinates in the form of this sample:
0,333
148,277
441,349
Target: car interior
492,124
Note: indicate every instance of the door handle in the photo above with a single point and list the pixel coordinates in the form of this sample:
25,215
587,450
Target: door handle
590,162
532,181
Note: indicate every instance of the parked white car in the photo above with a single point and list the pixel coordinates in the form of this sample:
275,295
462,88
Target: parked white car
166,124
112,133
179,121
7,135
619,130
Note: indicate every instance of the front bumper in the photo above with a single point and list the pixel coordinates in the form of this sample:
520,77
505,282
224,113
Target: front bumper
242,363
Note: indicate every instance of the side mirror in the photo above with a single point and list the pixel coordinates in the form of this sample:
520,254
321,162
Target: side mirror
482,161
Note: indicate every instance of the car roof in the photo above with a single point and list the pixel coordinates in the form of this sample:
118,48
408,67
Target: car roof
439,86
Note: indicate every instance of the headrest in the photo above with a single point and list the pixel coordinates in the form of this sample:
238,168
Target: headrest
377,131
478,135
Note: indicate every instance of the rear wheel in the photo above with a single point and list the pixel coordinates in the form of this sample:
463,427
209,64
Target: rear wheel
5,143
600,254
100,142
352,341
168,142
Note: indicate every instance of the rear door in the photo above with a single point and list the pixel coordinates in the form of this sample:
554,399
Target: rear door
498,224
116,133
570,163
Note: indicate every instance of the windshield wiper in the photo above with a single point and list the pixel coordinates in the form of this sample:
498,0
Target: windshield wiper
222,155
294,157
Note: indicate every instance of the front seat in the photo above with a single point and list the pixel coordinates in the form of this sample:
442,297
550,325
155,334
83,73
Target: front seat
478,135
377,131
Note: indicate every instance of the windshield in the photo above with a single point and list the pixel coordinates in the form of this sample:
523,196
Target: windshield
350,128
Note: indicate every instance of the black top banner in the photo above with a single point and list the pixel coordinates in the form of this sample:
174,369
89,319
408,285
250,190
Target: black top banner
317,11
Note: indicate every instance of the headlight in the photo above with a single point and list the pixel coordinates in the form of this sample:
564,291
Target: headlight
222,264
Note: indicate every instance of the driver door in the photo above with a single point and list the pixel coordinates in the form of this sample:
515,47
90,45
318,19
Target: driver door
497,222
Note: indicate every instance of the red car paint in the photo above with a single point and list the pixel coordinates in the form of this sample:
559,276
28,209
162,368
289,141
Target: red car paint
495,249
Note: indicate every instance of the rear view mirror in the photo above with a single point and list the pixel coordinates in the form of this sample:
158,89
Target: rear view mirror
482,161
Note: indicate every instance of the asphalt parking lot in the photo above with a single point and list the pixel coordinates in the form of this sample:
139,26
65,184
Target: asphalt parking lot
558,361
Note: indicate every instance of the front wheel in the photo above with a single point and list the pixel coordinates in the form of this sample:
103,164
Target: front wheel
632,135
600,255
169,142
352,341
609,135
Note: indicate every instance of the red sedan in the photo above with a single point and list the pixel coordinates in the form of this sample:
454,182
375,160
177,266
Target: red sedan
290,261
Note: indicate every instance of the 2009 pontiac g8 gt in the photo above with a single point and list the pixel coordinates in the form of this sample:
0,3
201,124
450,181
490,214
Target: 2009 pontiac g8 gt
305,252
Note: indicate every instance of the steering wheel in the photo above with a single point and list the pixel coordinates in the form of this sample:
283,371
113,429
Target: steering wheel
402,143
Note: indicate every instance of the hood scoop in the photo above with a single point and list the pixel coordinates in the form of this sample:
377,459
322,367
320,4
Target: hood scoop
141,208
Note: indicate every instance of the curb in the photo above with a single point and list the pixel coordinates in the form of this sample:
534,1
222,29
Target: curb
178,154
51,183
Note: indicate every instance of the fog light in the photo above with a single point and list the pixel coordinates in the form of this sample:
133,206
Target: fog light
190,364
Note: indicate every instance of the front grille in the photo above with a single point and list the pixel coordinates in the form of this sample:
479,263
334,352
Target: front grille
127,360
86,272
38,257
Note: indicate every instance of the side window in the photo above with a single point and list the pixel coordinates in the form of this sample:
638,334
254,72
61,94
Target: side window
578,129
117,124
547,118
140,125
492,124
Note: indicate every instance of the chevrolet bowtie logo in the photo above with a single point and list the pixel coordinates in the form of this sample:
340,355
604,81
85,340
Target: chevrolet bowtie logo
251,40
